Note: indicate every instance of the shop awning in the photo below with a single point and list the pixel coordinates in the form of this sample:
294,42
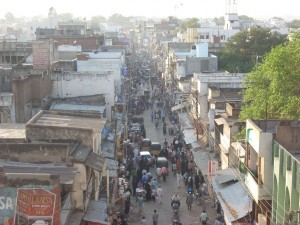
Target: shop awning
112,166
96,212
233,197
95,161
189,136
177,107
195,145
201,159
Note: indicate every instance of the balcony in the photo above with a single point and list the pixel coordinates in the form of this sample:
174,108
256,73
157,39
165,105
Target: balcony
256,189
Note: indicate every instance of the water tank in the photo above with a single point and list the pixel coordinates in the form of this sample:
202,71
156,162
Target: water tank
202,49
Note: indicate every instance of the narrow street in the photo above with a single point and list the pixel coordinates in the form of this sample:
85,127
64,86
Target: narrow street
169,187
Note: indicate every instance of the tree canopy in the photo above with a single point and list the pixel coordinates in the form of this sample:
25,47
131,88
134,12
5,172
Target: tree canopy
293,24
272,89
245,49
190,23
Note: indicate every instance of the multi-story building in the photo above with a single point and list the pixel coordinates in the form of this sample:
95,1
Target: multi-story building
286,175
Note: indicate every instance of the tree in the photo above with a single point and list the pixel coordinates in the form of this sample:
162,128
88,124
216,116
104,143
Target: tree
190,23
246,49
245,18
219,21
294,24
272,89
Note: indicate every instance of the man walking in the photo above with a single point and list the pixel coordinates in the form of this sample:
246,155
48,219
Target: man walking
159,193
155,217
189,201
203,217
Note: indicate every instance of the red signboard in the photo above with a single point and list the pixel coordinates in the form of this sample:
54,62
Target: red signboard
35,202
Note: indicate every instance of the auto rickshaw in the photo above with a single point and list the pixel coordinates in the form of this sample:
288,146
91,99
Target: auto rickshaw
155,148
146,144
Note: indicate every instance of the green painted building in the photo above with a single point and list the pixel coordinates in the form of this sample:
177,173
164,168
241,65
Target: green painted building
286,176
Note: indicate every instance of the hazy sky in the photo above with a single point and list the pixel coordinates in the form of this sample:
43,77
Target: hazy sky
153,8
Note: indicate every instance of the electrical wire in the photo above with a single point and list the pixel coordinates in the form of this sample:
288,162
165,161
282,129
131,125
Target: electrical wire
207,133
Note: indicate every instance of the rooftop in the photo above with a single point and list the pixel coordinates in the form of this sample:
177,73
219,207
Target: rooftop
12,130
67,120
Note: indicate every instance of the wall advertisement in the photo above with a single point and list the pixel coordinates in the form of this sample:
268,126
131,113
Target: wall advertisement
30,205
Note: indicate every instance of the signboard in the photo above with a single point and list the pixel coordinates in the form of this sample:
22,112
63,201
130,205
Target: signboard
30,205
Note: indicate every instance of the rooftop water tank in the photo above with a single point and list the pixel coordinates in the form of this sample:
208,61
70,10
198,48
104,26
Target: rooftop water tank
202,49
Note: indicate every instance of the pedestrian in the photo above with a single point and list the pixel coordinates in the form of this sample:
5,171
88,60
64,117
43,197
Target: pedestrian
203,217
140,199
152,116
178,178
155,217
164,172
143,221
197,181
159,193
189,201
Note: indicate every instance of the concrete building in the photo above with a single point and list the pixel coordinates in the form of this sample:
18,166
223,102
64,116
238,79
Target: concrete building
286,179
202,82
258,167
83,128
226,125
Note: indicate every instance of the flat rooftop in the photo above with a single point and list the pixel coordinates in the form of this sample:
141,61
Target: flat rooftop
67,120
12,130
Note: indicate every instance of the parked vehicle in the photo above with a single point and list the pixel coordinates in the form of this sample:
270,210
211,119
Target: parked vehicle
155,148
148,156
137,119
146,144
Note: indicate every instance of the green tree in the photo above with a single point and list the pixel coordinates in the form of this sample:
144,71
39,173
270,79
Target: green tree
293,24
190,23
294,34
244,18
247,48
272,89
220,20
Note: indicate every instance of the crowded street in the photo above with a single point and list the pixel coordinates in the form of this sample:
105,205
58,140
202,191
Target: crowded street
149,190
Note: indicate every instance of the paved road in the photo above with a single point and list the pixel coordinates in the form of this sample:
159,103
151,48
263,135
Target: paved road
170,187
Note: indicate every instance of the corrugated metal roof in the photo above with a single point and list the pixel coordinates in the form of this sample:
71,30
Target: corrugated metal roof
223,176
112,166
195,145
185,120
189,136
234,200
201,159
55,119
78,108
95,161
96,212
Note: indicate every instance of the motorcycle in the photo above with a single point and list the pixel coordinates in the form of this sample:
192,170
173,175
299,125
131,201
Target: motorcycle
175,219
175,205
198,198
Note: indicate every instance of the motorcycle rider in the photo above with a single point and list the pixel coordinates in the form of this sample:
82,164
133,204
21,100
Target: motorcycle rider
175,198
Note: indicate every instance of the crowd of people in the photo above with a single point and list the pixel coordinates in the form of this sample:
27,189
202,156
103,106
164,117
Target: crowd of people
145,186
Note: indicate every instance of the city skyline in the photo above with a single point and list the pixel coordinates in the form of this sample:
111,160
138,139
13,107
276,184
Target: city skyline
182,9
